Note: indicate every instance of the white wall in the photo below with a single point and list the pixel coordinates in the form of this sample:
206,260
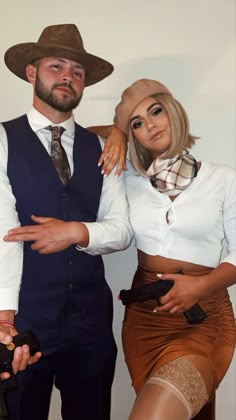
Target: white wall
188,45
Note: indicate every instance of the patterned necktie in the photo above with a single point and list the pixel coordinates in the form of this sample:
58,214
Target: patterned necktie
58,154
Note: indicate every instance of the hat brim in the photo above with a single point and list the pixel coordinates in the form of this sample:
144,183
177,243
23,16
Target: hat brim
20,55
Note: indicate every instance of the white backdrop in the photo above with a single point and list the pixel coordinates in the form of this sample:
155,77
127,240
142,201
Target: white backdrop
188,45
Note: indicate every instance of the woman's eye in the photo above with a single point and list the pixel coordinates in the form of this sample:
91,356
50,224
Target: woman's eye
156,111
136,124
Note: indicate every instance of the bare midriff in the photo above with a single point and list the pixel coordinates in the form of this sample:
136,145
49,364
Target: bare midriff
168,265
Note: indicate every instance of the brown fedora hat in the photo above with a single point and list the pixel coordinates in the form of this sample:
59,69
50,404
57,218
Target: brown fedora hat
62,41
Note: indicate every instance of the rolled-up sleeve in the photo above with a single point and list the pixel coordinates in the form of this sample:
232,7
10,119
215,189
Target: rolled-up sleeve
11,254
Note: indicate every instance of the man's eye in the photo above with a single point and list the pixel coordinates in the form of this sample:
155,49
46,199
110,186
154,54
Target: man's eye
56,66
156,111
136,124
79,74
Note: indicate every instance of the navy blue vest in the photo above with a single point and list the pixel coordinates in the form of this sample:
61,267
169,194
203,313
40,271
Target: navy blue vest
48,279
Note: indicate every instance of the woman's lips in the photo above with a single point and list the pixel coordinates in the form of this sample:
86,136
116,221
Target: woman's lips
157,135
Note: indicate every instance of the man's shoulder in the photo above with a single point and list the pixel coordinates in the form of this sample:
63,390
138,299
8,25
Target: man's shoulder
82,130
14,121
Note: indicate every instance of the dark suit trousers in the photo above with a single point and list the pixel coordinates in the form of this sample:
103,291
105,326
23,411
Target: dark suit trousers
81,362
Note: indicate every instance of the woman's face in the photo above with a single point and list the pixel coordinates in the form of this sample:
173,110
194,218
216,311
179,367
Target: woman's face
151,126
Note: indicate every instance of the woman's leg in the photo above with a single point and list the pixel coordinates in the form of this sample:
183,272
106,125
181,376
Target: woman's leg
176,391
156,402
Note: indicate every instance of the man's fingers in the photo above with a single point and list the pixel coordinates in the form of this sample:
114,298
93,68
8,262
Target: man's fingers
40,219
22,358
23,230
25,356
35,358
4,375
43,248
20,233
20,237
25,233
18,355
5,337
37,246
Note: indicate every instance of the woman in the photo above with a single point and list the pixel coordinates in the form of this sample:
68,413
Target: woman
181,210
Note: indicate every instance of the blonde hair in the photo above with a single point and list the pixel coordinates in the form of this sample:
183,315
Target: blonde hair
180,136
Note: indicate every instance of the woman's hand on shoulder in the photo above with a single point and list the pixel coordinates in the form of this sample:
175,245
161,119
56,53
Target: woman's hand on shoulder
114,151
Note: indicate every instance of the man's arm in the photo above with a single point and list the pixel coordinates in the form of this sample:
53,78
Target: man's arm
115,149
111,232
11,259
11,256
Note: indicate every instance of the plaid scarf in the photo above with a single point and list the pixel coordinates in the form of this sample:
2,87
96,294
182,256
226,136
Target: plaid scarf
172,176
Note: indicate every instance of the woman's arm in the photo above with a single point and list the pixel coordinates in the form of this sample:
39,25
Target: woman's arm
114,152
188,290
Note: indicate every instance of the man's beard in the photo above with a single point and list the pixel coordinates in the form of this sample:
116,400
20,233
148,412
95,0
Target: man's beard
49,98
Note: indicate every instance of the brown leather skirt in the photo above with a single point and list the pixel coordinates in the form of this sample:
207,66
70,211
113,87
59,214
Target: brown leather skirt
151,339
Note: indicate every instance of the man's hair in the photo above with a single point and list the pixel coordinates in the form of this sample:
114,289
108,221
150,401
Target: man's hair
180,136
36,62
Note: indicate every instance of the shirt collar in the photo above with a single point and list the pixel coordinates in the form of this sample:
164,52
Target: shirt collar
38,121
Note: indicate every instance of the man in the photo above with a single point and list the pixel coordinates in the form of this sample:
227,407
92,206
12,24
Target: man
64,298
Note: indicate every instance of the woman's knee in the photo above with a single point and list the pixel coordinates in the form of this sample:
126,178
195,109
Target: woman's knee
156,402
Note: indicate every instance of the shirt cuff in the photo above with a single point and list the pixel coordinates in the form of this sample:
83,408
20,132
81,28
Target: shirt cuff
107,236
9,299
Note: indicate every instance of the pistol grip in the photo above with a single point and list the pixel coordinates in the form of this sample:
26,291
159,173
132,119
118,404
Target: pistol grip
195,315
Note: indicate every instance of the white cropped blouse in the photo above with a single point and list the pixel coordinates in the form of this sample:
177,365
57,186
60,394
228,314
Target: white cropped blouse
199,226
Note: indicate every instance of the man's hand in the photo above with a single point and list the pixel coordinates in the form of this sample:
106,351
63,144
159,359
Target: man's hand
21,360
50,235
115,149
22,357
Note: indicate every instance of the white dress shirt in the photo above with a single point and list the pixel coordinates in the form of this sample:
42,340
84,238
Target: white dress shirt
195,225
111,232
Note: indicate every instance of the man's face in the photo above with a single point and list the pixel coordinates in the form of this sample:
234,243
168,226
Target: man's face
59,83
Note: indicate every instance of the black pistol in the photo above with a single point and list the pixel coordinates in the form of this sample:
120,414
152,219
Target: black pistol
6,357
155,290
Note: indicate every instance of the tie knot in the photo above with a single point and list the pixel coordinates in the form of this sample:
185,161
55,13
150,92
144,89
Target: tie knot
56,130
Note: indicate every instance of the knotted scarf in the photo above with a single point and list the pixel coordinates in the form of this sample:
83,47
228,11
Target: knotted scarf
172,176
